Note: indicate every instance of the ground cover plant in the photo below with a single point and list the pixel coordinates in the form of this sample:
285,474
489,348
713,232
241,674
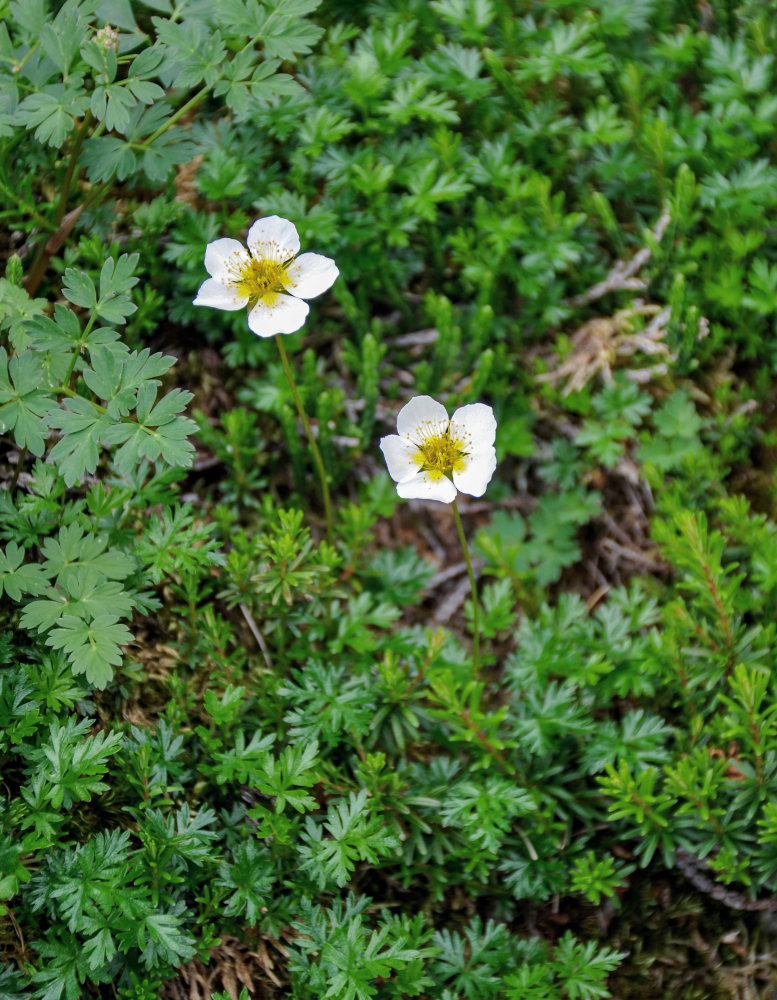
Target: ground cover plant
270,724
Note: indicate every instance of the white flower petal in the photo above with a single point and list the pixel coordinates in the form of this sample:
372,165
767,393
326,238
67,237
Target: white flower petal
311,274
225,256
421,409
478,472
213,293
423,487
285,315
274,238
478,421
398,453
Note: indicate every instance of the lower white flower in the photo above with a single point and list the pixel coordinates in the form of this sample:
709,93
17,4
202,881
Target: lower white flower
433,456
271,280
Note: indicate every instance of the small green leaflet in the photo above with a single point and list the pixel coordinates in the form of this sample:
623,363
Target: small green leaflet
16,311
72,552
288,771
125,382
99,949
145,65
164,929
167,152
112,101
225,708
17,579
23,403
45,613
61,38
92,648
77,761
78,288
52,111
244,762
83,428
192,51
86,593
160,435
30,15
118,378
280,25
245,83
116,280
63,333
108,156
356,835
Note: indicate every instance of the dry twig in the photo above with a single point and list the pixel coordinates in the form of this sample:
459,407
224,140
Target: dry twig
601,341
249,620
623,277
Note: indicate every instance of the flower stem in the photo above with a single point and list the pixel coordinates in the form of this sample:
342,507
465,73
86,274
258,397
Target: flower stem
475,608
311,440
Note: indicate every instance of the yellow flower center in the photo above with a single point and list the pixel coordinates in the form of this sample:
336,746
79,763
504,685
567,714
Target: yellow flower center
440,453
261,280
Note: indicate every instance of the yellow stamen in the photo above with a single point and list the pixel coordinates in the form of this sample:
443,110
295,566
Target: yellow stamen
440,453
261,280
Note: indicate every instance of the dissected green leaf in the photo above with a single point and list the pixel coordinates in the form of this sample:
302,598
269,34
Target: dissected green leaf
92,647
83,429
52,112
24,405
74,550
18,577
78,288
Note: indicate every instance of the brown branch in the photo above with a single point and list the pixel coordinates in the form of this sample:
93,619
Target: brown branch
622,277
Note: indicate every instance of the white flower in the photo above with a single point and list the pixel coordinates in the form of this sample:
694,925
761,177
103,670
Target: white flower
432,456
271,280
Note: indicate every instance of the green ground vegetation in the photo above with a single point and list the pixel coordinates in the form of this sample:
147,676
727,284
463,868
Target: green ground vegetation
235,755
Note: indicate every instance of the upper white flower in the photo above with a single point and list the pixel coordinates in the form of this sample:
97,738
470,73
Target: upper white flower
262,278
433,456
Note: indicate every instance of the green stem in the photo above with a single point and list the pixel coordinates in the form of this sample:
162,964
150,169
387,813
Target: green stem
65,390
95,194
31,210
69,372
200,96
20,65
77,352
64,192
192,103
311,440
475,609
44,253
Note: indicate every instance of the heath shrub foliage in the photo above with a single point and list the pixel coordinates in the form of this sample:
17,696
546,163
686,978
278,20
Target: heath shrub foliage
261,728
